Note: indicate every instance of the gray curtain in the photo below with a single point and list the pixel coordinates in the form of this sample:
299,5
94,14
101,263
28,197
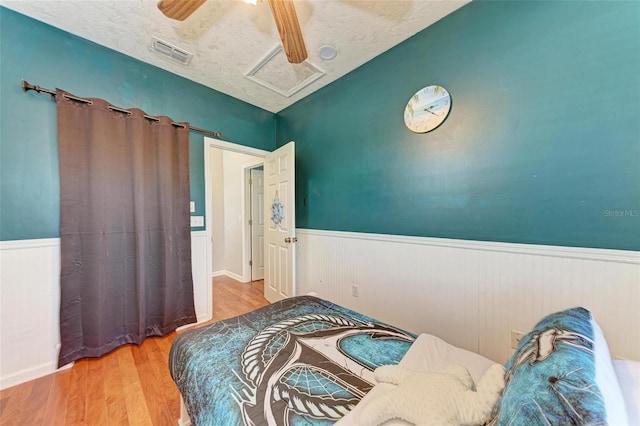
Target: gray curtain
124,227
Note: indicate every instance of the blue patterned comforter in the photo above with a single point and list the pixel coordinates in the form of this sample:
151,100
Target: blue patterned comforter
301,361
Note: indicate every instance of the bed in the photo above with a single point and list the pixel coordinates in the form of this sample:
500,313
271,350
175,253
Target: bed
307,361
301,361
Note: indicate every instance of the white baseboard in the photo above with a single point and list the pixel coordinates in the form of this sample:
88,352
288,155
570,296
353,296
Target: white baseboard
26,374
32,373
229,274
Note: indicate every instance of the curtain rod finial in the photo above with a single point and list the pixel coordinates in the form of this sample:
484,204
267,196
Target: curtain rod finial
26,86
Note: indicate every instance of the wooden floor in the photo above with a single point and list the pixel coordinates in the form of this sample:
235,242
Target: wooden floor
129,386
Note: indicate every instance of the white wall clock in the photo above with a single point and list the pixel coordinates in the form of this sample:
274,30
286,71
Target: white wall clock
427,109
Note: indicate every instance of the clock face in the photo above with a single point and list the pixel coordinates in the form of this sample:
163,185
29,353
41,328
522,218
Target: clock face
427,109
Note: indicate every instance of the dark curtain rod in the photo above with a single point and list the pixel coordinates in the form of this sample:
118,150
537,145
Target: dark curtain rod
26,86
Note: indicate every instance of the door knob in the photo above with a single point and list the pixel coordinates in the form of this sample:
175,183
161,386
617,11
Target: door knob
291,240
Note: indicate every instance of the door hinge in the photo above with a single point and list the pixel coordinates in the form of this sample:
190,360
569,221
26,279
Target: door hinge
250,222
251,263
250,181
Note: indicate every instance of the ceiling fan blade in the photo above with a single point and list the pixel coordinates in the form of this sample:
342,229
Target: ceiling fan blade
179,9
284,13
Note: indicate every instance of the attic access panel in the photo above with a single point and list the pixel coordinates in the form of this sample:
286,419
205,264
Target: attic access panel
276,73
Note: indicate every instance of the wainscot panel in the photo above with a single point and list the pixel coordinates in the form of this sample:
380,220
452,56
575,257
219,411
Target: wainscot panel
472,293
30,299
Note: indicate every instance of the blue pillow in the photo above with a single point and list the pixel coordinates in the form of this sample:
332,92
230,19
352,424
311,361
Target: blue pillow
561,374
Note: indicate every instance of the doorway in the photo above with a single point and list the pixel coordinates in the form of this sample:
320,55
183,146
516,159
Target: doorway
233,203
279,216
254,178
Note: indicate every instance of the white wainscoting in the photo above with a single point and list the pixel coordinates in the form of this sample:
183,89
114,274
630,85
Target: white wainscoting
30,299
200,267
472,293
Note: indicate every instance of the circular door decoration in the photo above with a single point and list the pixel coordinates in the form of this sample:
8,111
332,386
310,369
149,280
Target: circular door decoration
427,109
277,211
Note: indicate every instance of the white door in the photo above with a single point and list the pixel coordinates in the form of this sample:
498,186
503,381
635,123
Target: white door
279,207
257,224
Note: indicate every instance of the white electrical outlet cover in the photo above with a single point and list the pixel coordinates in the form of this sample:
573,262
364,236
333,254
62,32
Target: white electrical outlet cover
197,221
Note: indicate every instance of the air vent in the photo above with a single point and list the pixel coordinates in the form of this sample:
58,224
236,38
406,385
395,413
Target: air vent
170,51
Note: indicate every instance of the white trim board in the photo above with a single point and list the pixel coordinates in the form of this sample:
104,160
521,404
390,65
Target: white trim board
29,244
472,293
606,255
234,147
246,214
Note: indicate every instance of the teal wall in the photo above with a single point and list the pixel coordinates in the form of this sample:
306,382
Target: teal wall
40,54
542,144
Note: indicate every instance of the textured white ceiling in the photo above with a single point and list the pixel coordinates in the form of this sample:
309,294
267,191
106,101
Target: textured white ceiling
229,37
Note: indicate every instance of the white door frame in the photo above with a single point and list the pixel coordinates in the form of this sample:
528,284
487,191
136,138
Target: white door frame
227,146
246,213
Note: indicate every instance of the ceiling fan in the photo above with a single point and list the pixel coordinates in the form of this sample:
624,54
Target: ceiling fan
284,13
